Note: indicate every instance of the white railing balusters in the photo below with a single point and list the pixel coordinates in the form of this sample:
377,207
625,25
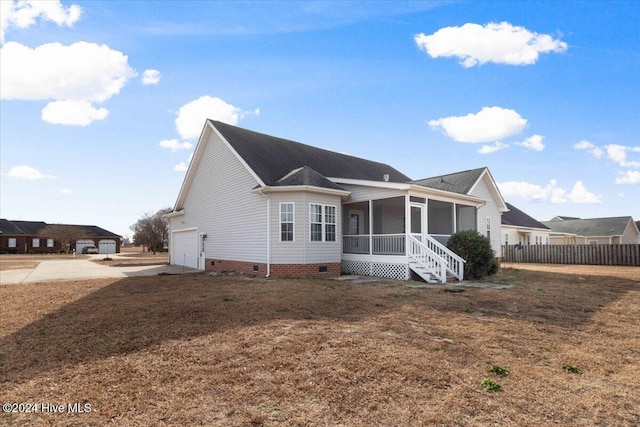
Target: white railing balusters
422,255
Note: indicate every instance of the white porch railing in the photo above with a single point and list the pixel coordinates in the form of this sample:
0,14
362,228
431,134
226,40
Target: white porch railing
376,244
422,255
455,264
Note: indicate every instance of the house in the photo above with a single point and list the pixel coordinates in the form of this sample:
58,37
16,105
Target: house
518,228
594,231
268,206
28,237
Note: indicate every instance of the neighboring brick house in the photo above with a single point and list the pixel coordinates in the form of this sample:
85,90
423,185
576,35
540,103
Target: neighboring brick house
26,237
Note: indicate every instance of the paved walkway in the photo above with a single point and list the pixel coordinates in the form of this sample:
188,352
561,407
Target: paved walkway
74,269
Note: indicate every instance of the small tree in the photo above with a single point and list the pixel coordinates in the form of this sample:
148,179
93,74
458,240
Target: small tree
152,231
476,250
67,235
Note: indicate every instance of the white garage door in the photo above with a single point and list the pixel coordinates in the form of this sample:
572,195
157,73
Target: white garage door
80,244
107,246
184,250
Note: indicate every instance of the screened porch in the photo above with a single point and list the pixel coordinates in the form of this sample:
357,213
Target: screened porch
381,226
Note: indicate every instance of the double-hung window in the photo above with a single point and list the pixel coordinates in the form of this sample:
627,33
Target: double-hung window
36,243
286,222
50,243
322,223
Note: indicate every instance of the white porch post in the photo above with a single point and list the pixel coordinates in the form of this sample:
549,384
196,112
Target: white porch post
370,227
455,222
407,222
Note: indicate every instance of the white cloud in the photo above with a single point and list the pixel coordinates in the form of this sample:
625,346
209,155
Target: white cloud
500,43
181,167
489,124
534,142
192,115
592,149
618,153
81,71
628,177
23,14
81,75
150,77
66,191
72,113
27,172
579,194
175,145
551,192
487,149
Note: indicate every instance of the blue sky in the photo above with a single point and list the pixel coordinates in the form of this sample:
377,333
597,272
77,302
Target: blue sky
102,102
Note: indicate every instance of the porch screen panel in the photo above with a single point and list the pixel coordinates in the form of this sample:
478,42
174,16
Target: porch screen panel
465,218
388,216
440,217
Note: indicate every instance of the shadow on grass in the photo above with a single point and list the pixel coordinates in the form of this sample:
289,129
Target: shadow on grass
137,313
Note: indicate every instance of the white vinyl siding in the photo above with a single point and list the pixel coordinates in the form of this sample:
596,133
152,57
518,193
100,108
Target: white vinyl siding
221,204
488,210
287,223
303,250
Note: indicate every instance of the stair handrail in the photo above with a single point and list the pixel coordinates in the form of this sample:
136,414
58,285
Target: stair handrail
419,250
455,263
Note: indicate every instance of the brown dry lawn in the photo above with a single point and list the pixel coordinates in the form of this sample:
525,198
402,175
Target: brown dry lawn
233,351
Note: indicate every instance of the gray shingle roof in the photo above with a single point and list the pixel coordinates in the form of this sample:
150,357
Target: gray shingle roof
9,228
458,182
613,226
272,158
307,176
32,228
520,219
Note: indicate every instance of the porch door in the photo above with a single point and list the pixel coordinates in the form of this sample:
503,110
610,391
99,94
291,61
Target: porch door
417,220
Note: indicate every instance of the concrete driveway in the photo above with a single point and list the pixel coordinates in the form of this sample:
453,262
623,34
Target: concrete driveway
75,269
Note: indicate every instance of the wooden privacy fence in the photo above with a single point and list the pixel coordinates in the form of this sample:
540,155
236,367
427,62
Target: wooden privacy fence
573,254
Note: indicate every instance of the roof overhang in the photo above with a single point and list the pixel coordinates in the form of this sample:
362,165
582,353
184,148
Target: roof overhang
173,214
414,189
294,188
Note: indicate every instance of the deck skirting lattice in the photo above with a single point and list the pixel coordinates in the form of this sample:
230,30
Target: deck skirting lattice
378,269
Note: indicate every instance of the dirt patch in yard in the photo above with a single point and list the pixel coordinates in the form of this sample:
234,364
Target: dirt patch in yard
232,351
17,265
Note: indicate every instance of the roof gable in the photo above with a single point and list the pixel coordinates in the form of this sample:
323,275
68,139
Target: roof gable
307,176
594,227
458,182
518,218
271,158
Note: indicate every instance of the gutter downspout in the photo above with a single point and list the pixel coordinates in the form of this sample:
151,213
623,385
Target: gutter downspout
268,233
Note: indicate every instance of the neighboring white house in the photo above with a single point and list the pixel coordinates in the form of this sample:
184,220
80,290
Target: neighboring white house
264,205
518,228
593,231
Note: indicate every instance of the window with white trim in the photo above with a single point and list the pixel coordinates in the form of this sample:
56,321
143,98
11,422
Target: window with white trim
286,222
36,243
489,228
12,242
506,239
322,223
50,243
